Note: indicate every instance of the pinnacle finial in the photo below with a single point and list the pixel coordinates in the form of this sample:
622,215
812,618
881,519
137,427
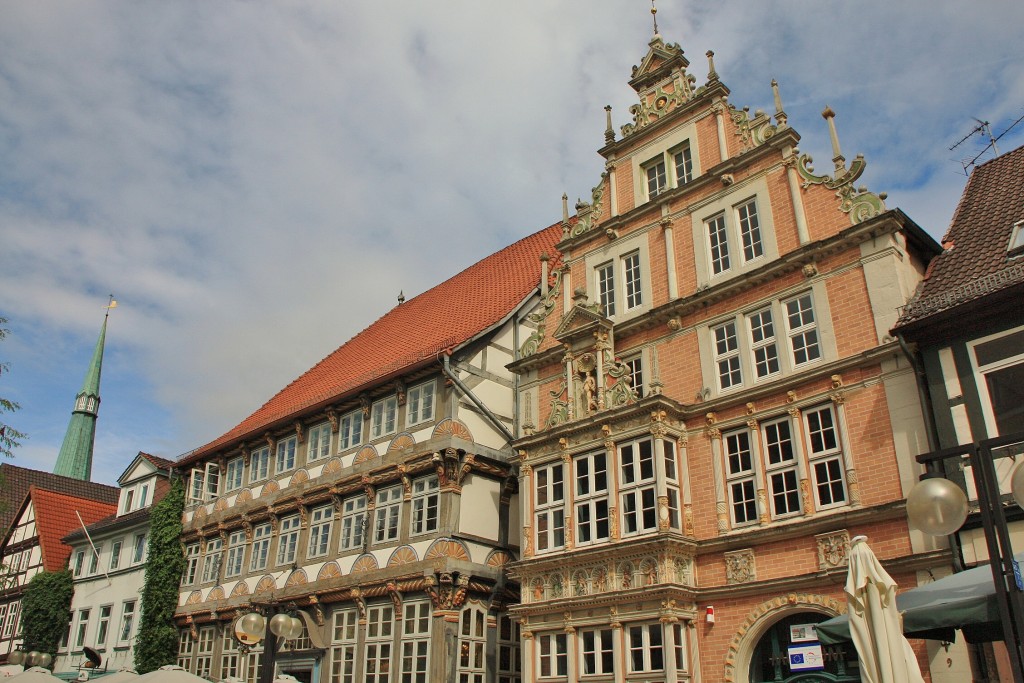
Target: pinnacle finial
565,208
609,132
780,115
654,16
712,74
837,154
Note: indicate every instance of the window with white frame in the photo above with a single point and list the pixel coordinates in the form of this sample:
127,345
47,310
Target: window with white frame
553,655
94,558
591,498
596,652
288,539
635,373
204,653
353,522
129,500
102,626
637,491
802,329
128,622
233,474
682,163
415,641
212,559
419,405
740,477
3,613
682,660
750,230
377,651
260,547
632,280
79,562
510,664
549,507
229,656
81,629
780,461
139,549
646,648
825,456
387,514
343,646
285,455
998,363
188,576
425,502
667,170
236,554
10,623
605,276
472,643
384,417
620,280
259,464
733,236
318,442
727,356
350,430
675,519
205,483
185,649
1015,247
763,346
656,174
320,521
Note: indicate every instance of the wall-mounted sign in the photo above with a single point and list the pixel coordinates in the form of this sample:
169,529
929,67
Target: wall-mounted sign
803,633
806,658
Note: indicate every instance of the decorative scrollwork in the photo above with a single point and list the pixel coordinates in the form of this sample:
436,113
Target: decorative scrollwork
858,202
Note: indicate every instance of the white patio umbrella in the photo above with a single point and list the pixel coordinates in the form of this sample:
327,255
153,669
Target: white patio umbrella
169,674
35,674
8,670
121,676
885,655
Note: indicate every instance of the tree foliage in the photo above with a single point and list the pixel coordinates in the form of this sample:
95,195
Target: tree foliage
9,436
157,642
46,610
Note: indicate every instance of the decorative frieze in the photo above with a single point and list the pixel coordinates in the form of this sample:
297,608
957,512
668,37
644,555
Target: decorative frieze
740,566
833,549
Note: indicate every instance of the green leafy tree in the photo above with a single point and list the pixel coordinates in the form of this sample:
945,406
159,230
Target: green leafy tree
157,642
9,436
46,610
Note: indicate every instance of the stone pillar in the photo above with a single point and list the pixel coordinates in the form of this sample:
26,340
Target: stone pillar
670,259
669,638
714,436
529,660
796,198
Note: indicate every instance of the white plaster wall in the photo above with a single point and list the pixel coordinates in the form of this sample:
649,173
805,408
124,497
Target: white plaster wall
479,509
890,278
515,523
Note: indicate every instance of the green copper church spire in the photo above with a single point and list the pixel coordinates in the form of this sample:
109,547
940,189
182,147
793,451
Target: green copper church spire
75,459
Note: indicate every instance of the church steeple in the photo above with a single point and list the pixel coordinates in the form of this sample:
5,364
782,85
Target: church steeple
75,459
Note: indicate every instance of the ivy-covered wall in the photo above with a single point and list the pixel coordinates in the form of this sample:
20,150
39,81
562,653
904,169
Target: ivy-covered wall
46,610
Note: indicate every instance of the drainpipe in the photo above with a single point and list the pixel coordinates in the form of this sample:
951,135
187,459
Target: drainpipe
491,417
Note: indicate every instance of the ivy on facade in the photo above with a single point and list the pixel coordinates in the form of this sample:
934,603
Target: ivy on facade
46,610
157,641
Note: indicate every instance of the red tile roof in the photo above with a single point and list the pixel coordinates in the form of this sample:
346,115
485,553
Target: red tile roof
975,263
55,518
410,335
17,480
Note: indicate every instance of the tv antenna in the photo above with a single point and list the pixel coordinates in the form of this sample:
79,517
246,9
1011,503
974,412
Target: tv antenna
983,128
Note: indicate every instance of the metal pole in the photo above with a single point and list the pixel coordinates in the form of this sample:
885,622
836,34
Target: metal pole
269,658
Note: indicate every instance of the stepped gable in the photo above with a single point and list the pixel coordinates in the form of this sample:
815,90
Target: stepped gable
409,335
55,517
975,262
17,481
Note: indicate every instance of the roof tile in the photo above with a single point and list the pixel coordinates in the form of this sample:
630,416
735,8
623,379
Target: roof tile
55,518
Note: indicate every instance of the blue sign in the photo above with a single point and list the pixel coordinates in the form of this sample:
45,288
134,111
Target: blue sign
806,658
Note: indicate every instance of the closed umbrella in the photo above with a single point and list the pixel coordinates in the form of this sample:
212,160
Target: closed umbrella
885,655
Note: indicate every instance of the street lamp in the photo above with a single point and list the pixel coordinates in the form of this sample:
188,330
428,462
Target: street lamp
30,658
254,627
939,507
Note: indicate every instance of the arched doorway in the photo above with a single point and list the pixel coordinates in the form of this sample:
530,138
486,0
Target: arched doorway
770,659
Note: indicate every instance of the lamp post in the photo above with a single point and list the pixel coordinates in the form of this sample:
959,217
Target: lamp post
30,658
939,507
254,627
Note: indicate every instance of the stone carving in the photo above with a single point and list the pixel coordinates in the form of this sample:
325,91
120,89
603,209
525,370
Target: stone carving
559,407
739,566
858,202
833,549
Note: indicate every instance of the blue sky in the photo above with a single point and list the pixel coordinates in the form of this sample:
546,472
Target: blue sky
256,181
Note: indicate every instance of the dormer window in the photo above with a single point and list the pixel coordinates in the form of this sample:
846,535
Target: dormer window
1016,245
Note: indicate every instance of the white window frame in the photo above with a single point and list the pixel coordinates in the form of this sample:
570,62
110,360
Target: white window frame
234,473
260,556
640,641
212,558
94,560
204,652
764,345
552,655
592,498
727,356
740,476
318,441
604,284
379,643
350,430
284,454
733,238
781,466
259,464
81,629
353,523
387,514
11,622
139,548
510,663
321,519
343,646
655,176
419,404
102,626
426,505
596,652
804,336
635,372
1015,247
549,507
638,495
79,562
981,371
823,453
191,572
288,539
204,483
414,654
126,631
236,554
384,417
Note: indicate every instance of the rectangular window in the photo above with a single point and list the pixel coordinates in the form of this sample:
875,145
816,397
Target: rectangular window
188,577
549,512
387,514
596,652
204,653
260,547
343,650
739,466
718,242
259,464
103,627
999,364
471,646
509,663
591,500
825,454
350,430
425,499
212,560
682,663
762,343
781,468
750,230
185,649
129,500
318,442
79,562
419,405
553,654
233,474
657,180
636,487
236,553
94,558
415,641
139,550
377,655
128,622
81,629
682,160
288,540
802,329
353,522
286,454
646,651
631,280
384,417
727,356
205,483
606,288
11,622
635,373
229,664
320,520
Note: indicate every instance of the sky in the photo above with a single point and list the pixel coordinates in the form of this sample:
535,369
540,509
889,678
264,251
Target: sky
255,182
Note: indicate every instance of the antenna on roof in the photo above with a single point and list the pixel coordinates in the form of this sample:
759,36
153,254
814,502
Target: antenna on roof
982,127
654,15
